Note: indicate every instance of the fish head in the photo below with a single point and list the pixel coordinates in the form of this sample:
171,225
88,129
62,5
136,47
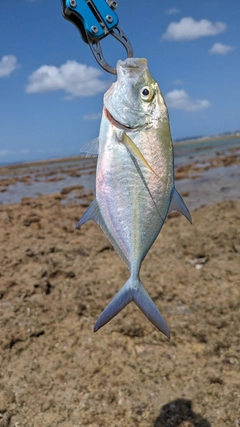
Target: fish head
134,101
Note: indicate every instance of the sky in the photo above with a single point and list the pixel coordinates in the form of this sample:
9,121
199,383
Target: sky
51,87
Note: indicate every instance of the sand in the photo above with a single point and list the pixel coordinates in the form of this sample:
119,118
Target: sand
54,283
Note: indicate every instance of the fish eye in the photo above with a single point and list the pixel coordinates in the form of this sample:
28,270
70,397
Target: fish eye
147,93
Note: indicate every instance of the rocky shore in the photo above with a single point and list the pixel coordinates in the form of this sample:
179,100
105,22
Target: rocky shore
55,281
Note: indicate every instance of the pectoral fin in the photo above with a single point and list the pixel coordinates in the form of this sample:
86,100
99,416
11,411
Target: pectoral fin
135,152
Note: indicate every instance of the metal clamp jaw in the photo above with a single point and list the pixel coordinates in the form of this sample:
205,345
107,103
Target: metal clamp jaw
95,19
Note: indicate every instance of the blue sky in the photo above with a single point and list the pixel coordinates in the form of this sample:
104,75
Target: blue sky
51,87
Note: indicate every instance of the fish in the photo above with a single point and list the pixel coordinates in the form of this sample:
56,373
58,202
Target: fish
135,188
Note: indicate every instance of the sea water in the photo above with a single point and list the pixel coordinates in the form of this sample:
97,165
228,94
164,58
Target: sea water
32,180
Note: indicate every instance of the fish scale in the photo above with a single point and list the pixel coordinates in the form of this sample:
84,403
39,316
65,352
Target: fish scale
135,188
119,186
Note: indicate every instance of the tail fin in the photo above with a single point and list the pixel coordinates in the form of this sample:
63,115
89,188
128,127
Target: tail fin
139,295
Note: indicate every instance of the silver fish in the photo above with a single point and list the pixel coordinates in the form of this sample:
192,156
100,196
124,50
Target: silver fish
134,180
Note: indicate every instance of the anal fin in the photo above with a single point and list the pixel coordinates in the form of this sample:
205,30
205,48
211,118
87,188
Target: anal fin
177,204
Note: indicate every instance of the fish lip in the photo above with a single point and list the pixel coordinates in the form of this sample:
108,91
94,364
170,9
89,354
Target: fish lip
116,123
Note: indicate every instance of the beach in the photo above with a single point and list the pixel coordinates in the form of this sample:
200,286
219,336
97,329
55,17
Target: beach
55,281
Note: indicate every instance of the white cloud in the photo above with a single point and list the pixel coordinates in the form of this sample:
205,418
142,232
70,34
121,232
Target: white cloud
8,64
221,49
189,29
73,78
179,100
172,11
93,116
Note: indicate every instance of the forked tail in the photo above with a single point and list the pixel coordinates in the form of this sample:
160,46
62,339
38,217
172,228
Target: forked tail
137,293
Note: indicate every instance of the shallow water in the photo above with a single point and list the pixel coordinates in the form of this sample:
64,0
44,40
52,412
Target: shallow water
16,192
50,178
213,185
187,152
46,178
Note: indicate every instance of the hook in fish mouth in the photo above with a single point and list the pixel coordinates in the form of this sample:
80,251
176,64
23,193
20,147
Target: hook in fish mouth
118,124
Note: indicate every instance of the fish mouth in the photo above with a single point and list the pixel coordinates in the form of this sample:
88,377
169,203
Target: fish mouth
116,123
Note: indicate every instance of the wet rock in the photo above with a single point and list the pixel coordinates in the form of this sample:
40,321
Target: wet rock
32,218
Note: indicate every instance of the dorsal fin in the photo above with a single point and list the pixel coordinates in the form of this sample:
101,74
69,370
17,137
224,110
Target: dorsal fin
90,149
93,213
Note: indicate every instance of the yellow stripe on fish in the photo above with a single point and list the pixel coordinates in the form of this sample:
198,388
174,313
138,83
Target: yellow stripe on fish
135,152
